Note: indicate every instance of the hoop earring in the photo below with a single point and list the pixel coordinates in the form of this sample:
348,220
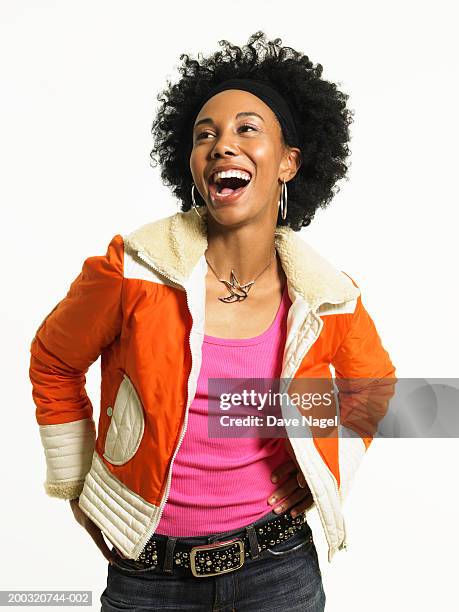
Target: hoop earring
283,200
194,202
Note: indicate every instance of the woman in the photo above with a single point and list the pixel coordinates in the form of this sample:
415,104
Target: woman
222,290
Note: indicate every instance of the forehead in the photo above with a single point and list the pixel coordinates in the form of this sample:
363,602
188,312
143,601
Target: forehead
227,104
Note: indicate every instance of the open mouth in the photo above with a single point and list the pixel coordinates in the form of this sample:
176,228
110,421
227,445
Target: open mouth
228,188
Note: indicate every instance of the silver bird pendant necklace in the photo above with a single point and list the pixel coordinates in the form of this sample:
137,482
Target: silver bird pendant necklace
237,292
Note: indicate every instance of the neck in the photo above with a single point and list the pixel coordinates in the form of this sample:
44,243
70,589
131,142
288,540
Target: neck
246,249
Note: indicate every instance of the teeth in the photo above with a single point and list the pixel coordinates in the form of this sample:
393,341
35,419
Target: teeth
231,173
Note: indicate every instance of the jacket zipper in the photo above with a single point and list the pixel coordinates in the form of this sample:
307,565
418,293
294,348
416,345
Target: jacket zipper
182,435
147,260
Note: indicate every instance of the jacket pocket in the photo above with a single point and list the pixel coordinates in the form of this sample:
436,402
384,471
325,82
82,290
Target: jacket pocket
129,566
127,424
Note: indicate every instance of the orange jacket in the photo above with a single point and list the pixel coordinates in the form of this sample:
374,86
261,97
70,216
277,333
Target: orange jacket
141,307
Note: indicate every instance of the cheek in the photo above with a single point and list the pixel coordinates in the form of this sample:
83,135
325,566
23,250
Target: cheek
193,161
264,157
196,167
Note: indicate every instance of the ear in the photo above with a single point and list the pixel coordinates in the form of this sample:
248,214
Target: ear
291,163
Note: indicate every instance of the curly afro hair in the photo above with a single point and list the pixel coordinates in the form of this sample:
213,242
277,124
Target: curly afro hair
318,106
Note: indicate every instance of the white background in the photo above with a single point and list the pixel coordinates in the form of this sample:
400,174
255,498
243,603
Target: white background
79,81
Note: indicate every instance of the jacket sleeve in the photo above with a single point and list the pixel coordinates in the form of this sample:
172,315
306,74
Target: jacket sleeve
67,342
365,378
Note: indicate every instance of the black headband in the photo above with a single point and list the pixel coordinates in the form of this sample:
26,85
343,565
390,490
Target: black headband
270,96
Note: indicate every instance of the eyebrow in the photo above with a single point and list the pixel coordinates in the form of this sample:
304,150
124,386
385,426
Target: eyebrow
243,114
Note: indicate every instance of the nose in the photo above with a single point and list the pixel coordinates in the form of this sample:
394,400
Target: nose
223,147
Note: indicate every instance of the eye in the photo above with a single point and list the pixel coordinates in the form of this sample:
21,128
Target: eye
248,125
200,136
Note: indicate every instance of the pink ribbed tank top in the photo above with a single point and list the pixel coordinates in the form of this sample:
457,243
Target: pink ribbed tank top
220,484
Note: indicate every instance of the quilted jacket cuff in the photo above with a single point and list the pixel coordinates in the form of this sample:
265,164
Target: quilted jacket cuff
69,449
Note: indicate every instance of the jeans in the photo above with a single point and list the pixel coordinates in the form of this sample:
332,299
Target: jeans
286,576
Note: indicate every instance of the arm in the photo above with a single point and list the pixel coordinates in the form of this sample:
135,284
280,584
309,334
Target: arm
365,377
68,341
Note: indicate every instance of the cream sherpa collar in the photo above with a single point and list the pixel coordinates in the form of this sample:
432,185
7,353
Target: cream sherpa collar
175,244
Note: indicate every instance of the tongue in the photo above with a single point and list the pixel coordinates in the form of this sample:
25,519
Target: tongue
226,191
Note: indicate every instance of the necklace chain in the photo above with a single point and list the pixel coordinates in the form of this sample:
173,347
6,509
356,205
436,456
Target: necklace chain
237,291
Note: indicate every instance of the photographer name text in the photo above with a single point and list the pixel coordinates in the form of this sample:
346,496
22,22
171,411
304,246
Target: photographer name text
273,421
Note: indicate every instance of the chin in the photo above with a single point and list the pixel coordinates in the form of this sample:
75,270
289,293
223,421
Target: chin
229,215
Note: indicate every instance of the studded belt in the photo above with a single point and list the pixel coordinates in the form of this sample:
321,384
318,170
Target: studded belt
168,555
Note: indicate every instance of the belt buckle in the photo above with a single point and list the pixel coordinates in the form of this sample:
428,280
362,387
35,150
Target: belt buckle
199,558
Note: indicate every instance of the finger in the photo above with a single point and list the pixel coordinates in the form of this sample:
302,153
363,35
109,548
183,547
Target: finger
283,470
302,506
301,480
294,501
287,488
